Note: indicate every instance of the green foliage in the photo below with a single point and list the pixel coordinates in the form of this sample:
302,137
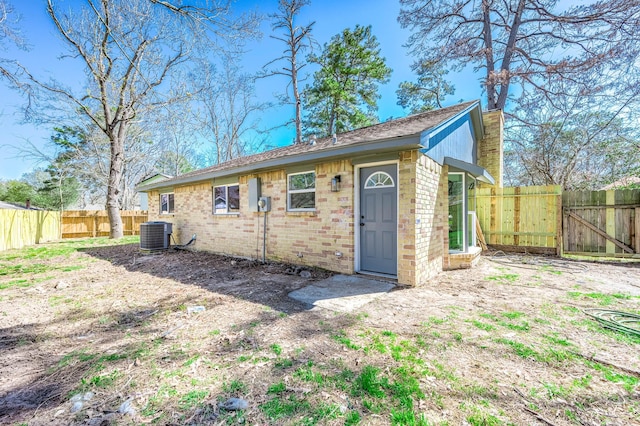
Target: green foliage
555,391
236,387
513,314
352,418
17,192
35,268
192,399
628,382
479,418
504,278
277,349
64,248
102,381
279,408
483,326
279,387
404,417
520,349
284,363
370,383
344,94
341,337
428,92
308,375
603,299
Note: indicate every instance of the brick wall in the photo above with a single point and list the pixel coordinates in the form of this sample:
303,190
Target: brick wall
490,149
432,213
407,259
316,236
422,216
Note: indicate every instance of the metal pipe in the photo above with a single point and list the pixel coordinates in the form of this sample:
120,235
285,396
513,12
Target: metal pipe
264,239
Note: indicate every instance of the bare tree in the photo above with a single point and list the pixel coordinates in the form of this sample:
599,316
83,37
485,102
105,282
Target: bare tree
576,142
9,33
130,49
227,111
526,41
177,142
297,40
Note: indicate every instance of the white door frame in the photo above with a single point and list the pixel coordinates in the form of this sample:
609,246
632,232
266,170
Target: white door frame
356,210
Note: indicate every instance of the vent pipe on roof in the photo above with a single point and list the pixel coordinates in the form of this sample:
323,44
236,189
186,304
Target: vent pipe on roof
312,140
334,139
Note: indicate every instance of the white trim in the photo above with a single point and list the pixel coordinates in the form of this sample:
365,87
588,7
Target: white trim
302,191
213,199
168,203
393,183
465,210
356,212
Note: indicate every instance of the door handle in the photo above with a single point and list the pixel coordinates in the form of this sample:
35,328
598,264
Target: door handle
361,224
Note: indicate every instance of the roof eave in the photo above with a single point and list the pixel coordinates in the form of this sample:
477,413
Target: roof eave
335,152
476,171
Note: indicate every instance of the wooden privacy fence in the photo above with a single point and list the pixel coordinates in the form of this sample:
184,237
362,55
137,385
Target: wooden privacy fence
20,228
95,223
521,218
601,223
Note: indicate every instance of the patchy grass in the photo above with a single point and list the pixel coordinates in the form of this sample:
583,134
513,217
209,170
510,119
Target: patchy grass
459,351
49,258
629,383
603,299
64,248
504,278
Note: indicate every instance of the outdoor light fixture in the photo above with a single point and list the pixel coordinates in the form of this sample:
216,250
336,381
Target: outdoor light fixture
335,184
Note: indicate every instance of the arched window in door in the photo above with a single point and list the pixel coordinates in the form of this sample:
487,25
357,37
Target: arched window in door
379,180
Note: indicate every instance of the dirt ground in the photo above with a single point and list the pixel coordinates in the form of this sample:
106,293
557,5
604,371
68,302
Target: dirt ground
163,339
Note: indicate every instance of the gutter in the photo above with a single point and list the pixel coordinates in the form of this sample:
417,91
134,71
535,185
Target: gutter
336,151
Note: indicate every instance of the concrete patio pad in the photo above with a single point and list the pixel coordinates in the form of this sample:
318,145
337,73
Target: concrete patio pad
342,293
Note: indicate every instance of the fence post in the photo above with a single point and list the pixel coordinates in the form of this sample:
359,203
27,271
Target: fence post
516,216
611,220
559,225
493,211
637,220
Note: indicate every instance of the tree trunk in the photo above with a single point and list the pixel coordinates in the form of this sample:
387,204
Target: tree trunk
508,54
296,97
488,53
113,189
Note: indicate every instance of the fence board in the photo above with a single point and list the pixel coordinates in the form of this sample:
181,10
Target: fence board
614,213
20,228
521,217
95,223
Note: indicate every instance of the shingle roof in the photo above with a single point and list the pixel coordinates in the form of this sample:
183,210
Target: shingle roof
403,127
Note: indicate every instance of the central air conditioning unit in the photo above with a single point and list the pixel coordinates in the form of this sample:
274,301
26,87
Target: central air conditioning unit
155,235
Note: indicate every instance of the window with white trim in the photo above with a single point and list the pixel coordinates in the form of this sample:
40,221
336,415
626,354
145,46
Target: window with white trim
301,191
226,199
167,203
462,217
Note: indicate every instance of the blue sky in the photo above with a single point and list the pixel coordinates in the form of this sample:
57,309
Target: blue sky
331,17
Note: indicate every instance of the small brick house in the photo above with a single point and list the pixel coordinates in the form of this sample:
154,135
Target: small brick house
394,199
